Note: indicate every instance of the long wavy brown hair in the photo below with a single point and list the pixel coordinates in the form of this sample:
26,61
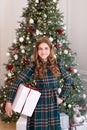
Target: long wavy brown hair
51,60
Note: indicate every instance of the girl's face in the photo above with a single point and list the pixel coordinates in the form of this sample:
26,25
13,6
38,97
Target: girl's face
43,51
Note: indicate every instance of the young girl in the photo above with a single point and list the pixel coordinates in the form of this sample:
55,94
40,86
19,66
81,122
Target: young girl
46,69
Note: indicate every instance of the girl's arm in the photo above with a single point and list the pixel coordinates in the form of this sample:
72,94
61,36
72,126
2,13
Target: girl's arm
67,81
22,78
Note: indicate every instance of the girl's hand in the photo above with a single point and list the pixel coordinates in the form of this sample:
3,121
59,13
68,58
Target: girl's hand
59,100
8,109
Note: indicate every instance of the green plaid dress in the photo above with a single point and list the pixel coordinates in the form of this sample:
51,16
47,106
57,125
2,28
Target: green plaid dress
46,115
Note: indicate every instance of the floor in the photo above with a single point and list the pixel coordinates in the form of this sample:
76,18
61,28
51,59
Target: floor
7,126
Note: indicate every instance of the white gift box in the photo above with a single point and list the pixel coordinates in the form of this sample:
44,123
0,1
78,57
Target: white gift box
64,121
82,126
21,123
26,100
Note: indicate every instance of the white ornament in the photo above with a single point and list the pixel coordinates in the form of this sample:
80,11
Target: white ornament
14,41
37,32
66,52
64,27
1,105
75,70
31,21
27,38
49,22
60,53
58,6
7,54
69,106
61,81
5,78
11,83
22,47
84,96
45,16
79,91
37,1
64,103
54,0
59,90
66,65
41,33
51,39
9,74
21,39
15,56
22,51
78,74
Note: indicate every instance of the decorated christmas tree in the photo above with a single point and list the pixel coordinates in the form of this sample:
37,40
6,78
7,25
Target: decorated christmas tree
42,17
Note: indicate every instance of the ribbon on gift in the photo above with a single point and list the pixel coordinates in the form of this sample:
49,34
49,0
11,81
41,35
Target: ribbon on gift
74,126
28,86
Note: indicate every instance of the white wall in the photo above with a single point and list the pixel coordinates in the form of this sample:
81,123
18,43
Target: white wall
10,12
76,22
75,19
5,32
78,33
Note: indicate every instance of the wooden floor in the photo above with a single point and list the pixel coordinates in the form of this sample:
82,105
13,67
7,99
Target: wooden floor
7,126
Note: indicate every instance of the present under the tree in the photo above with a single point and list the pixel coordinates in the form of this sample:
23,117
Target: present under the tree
26,100
21,123
82,126
64,121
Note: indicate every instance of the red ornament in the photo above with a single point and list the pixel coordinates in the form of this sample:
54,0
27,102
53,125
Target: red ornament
24,61
70,69
9,67
59,31
14,49
30,28
8,80
83,107
57,45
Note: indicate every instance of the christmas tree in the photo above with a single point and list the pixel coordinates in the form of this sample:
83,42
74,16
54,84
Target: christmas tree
42,17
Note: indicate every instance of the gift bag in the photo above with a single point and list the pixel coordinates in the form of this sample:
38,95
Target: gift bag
26,100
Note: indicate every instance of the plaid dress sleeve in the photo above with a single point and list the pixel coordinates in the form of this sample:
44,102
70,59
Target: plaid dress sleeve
67,81
22,78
